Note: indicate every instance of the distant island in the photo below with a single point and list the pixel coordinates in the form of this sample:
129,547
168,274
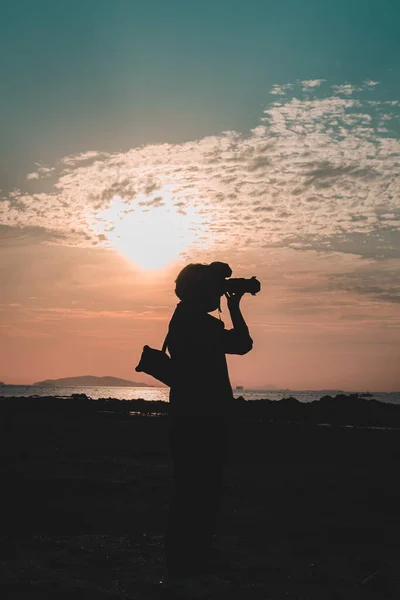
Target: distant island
268,387
90,380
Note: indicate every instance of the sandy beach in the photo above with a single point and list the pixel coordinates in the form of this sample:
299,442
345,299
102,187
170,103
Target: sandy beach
310,511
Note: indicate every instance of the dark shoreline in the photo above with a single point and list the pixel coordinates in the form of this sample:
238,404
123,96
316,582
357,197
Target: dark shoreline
309,512
350,410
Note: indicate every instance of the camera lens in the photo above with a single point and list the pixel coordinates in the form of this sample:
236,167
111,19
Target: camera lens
241,285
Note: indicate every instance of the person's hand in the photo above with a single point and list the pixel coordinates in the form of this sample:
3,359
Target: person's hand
233,299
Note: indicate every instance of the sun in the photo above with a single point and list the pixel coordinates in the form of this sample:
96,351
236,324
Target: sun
151,231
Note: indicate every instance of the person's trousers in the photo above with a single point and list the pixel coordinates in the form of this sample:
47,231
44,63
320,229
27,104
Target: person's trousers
198,451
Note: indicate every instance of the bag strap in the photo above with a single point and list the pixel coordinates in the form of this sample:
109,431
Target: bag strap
164,347
165,344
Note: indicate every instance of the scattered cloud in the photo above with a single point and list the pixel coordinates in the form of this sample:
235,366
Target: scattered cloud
347,89
381,284
42,172
311,83
280,90
308,85
320,171
369,83
74,159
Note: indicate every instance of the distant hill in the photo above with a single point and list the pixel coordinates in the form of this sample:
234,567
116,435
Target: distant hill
90,380
268,387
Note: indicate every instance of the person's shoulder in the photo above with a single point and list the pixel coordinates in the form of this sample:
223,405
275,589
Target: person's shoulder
184,317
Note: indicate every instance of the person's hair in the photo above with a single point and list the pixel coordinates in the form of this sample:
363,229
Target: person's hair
191,281
196,279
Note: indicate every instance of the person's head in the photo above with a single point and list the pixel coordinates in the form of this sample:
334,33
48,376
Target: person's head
201,286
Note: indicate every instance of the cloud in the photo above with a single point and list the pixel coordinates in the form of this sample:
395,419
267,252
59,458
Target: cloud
308,85
311,83
381,284
41,172
280,90
26,235
346,89
317,172
75,159
370,83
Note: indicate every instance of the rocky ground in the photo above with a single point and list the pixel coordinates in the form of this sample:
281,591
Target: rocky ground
310,512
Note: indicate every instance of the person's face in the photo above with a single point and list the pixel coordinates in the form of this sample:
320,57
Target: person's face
207,299
210,300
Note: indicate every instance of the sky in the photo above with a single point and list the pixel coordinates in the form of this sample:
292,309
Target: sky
140,136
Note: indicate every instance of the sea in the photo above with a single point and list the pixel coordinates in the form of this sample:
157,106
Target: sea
162,393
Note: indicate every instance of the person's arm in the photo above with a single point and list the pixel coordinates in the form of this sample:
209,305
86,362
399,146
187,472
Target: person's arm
237,340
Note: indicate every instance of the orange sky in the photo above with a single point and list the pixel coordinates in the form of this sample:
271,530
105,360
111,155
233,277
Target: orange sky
90,311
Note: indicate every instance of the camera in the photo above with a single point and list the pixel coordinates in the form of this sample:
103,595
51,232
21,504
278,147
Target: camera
238,285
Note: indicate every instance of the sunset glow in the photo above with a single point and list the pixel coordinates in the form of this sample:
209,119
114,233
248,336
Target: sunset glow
150,231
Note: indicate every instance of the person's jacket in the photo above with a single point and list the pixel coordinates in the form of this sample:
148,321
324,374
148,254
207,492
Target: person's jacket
197,343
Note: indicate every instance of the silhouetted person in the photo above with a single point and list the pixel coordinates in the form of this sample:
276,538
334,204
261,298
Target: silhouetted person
200,402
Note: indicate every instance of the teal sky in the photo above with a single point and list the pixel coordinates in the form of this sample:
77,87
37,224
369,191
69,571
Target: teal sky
79,75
